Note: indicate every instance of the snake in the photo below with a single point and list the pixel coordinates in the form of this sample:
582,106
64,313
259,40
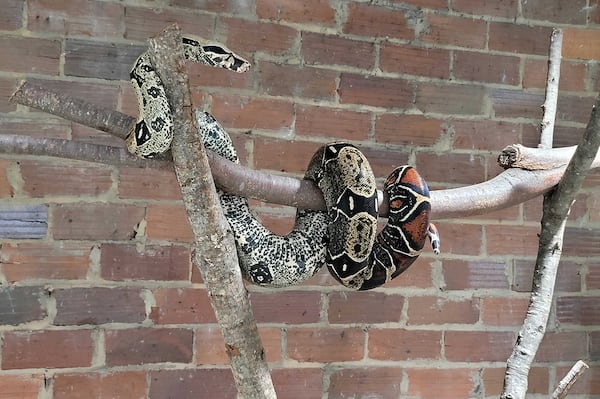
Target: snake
344,236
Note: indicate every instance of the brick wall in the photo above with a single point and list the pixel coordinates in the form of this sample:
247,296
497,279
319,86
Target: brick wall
98,297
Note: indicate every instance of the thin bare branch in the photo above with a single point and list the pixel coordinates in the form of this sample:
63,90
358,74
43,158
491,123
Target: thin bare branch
549,107
563,387
519,156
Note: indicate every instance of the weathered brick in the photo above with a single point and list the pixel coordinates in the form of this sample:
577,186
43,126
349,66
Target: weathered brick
574,108
493,380
6,189
581,241
168,222
365,19
253,113
293,383
34,125
29,55
148,184
98,305
594,344
210,345
441,384
515,240
41,260
502,8
503,311
478,346
12,14
227,6
455,31
510,103
208,76
93,59
466,99
21,305
95,221
325,345
148,345
475,274
271,153
384,161
483,67
419,274
23,221
593,276
372,382
484,134
572,75
376,91
399,344
192,383
42,179
449,167
21,386
73,17
126,262
122,384
523,39
297,81
358,307
583,311
322,121
253,36
568,277
414,60
562,11
293,307
144,23
562,346
7,87
440,310
310,11
47,349
408,129
181,306
334,50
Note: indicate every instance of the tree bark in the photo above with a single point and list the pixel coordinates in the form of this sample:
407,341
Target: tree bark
214,246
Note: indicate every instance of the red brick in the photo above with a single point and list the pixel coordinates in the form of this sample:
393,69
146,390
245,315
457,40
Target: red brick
12,15
181,306
293,307
249,37
117,385
474,274
29,55
325,345
227,6
285,156
21,386
502,8
419,275
439,310
574,108
384,161
144,23
484,134
372,382
568,277
322,121
310,11
489,68
581,311
503,311
581,241
126,262
6,189
20,305
364,307
413,60
148,184
41,179
466,99
253,113
34,125
594,344
148,345
441,384
168,222
207,76
192,383
405,129
572,75
533,209
451,168
399,344
47,349
39,260
335,50
455,31
478,346
493,380
72,18
365,19
298,383
98,305
523,39
375,91
210,345
562,346
593,276
297,81
514,240
93,221
562,11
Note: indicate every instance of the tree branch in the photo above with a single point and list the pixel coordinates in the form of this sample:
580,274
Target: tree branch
549,107
214,248
567,382
519,156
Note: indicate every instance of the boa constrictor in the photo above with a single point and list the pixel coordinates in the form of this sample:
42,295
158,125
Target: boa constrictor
345,237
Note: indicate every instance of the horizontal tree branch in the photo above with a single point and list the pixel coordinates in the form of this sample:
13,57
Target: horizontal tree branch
519,156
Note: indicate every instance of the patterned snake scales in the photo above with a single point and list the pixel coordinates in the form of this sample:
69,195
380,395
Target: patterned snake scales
344,237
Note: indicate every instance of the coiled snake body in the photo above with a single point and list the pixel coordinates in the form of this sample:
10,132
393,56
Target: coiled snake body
345,237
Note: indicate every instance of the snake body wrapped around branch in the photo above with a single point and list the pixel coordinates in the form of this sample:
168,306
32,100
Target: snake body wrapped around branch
344,238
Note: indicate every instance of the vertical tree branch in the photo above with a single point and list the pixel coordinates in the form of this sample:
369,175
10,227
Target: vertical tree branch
549,107
214,247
